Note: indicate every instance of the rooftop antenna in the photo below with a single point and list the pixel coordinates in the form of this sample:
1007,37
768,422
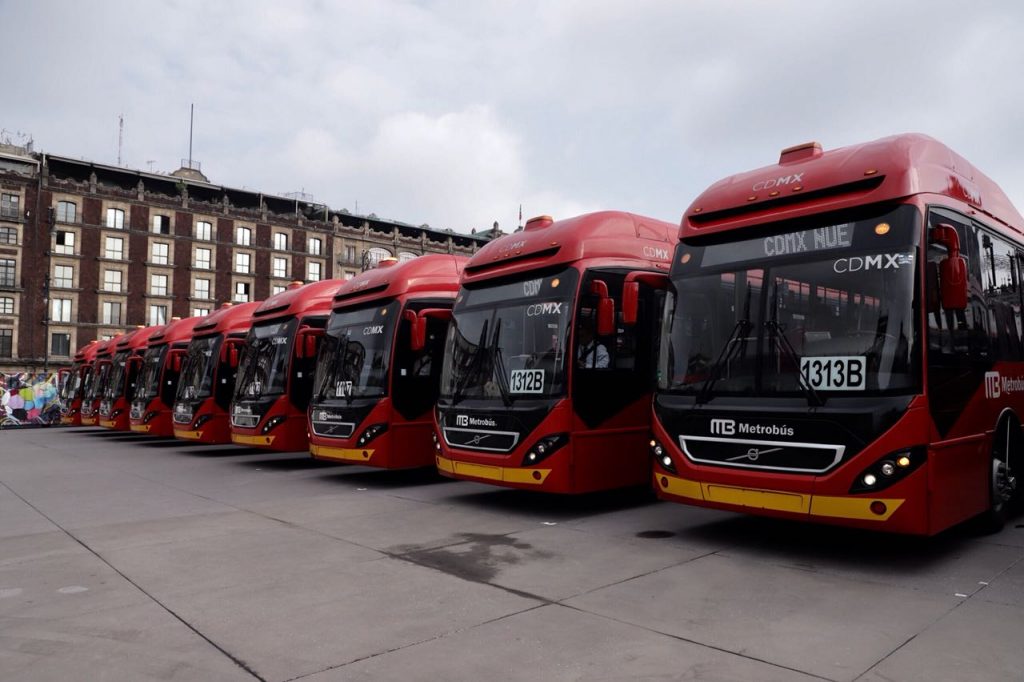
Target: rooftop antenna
191,119
120,137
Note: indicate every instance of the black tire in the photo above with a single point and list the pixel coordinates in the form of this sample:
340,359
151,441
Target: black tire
1003,491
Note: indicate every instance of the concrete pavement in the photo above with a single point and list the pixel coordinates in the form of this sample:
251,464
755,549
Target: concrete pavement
128,558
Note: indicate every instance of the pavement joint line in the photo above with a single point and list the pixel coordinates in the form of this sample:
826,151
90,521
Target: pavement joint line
930,625
641,575
698,643
234,659
443,635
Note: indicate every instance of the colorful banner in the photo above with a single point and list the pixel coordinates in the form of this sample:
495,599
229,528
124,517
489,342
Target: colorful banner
29,399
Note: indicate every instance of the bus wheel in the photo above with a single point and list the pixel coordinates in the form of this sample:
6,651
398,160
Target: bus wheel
1006,453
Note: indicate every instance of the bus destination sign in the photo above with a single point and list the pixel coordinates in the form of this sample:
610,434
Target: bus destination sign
787,244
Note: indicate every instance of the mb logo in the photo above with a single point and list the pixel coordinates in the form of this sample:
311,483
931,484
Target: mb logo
723,427
461,420
992,385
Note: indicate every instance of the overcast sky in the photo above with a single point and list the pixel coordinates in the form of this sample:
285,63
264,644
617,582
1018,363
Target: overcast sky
454,113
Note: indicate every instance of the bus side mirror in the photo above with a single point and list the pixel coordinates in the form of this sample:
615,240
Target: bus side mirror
605,308
952,268
417,330
232,355
307,343
631,292
177,358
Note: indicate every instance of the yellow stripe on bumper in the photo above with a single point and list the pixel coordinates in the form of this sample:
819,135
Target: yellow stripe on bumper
239,439
189,435
357,455
778,500
108,424
492,473
142,428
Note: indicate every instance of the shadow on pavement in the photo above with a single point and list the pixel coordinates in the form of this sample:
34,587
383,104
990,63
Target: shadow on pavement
285,461
556,507
386,479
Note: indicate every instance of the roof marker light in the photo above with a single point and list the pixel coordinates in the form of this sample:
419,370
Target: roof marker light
882,228
752,197
870,171
685,258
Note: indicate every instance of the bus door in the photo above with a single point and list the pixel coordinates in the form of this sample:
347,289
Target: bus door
307,344
613,369
416,373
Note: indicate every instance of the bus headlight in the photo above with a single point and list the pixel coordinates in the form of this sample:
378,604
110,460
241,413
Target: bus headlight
887,470
544,447
661,456
371,432
272,424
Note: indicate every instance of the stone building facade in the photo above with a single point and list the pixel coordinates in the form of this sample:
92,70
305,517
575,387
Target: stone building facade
89,250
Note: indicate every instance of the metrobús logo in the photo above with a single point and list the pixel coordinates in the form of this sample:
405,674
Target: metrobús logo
466,420
996,385
730,427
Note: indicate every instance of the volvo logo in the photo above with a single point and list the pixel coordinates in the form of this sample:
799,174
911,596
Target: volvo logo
752,454
477,439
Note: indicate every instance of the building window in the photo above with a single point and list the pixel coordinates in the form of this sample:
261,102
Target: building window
280,241
112,280
111,312
113,248
277,288
65,242
242,263
8,235
204,230
376,255
157,314
63,276
158,285
243,236
349,274
7,272
60,343
405,257
280,267
315,245
6,305
10,205
313,271
67,211
200,312
350,254
241,292
6,343
202,289
115,218
203,257
161,224
160,251
60,309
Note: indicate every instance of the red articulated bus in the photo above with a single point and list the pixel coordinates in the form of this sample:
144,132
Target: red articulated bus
208,374
842,342
275,378
379,367
96,381
153,400
125,364
543,387
76,384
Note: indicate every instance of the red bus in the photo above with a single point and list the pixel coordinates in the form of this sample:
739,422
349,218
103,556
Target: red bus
379,367
76,383
125,364
842,342
543,388
208,374
96,381
275,378
153,400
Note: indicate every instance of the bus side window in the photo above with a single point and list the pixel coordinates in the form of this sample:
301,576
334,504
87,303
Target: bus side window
963,332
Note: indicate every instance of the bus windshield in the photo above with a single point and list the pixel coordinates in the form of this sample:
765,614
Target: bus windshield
355,353
148,384
96,379
509,340
69,390
196,381
115,381
264,367
817,312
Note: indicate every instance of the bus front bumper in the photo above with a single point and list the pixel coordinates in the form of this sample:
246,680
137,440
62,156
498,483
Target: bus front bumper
486,472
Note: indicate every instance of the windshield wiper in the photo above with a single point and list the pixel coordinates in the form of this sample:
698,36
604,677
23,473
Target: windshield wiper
812,396
499,365
728,350
462,385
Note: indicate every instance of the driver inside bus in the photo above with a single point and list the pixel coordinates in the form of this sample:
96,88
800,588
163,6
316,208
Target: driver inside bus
590,353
